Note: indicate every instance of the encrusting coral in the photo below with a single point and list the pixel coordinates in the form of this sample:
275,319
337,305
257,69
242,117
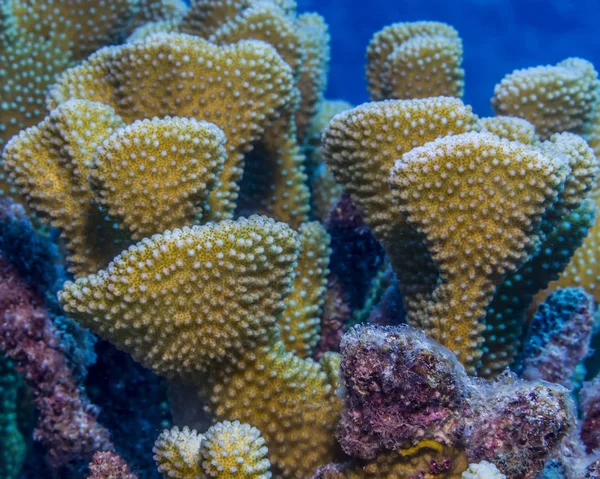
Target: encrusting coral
169,301
415,60
109,465
226,450
590,406
410,408
66,421
554,98
12,440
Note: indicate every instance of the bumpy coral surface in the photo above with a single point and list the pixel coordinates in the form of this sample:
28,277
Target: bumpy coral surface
84,29
235,269
155,175
477,220
510,127
50,164
185,287
30,66
561,232
230,450
177,453
360,147
314,37
227,450
415,60
290,400
554,98
299,324
242,87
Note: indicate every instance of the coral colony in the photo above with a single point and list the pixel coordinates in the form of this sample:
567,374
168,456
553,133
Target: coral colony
209,270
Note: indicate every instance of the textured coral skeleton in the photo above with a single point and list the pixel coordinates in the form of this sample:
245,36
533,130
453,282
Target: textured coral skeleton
192,202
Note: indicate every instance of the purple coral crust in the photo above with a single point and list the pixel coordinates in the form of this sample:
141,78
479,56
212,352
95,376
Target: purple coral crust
67,423
590,406
400,388
559,336
516,424
109,465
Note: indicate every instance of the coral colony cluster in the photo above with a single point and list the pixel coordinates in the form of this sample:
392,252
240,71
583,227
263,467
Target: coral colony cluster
209,270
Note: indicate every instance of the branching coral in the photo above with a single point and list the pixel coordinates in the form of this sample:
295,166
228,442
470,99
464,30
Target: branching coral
83,29
177,453
299,323
558,337
231,450
40,39
554,98
478,222
415,60
360,147
314,38
29,66
240,267
170,300
240,88
154,11
561,232
226,450
326,111
50,164
326,193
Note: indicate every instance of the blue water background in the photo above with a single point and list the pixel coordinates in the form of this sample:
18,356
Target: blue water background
499,36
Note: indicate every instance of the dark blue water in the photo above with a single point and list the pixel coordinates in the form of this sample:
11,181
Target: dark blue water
499,36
